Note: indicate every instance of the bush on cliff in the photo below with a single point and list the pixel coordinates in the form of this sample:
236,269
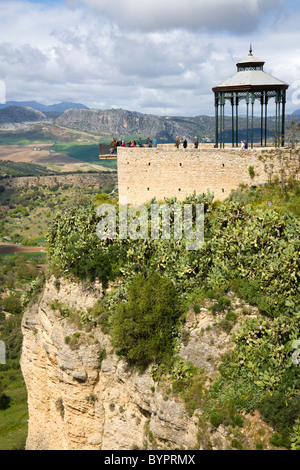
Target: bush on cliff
143,329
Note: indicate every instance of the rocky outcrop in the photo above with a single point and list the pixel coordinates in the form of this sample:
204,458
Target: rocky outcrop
80,394
119,122
14,116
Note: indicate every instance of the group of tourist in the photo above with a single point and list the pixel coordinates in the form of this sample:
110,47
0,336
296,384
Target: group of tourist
184,142
115,143
244,144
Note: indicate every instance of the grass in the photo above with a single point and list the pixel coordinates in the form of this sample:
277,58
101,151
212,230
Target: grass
41,256
83,151
13,420
270,196
113,164
12,141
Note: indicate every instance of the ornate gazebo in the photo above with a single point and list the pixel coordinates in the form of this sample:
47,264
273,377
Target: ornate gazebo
250,83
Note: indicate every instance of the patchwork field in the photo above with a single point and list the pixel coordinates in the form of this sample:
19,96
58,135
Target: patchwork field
46,155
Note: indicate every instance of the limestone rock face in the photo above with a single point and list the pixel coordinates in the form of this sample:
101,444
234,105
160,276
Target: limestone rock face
76,400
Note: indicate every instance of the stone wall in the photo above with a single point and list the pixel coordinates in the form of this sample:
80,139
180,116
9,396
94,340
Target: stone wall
82,180
144,173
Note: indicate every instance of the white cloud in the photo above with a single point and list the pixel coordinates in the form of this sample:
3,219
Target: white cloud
151,56
215,15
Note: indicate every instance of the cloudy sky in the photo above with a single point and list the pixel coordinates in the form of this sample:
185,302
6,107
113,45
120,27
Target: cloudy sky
153,56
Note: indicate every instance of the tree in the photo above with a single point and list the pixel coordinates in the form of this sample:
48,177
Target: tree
143,328
4,399
12,304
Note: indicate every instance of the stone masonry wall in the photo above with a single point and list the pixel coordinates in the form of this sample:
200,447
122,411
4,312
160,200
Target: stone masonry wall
144,173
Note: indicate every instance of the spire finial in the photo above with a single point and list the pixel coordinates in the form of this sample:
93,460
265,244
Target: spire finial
250,50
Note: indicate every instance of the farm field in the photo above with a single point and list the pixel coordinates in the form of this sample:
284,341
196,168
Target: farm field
27,213
55,160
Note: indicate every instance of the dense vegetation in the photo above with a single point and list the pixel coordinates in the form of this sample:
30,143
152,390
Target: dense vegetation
17,272
11,169
252,249
27,213
25,219
152,311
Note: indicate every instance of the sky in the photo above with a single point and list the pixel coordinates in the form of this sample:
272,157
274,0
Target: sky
157,57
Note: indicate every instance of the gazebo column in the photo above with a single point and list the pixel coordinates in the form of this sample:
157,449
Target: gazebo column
261,118
277,119
216,120
252,113
222,120
266,116
247,114
283,98
232,118
237,119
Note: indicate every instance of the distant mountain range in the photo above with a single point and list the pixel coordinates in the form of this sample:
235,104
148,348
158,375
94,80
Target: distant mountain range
127,124
121,123
53,108
14,115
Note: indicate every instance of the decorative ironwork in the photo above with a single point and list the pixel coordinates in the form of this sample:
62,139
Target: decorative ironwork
249,67
262,88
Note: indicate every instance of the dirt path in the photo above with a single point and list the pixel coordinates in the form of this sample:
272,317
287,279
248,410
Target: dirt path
17,249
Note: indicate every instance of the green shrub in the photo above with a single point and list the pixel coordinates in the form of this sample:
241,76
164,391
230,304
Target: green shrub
251,171
4,401
12,304
259,445
222,304
228,322
196,308
211,294
295,436
216,418
231,316
102,356
143,328
236,444
59,405
281,412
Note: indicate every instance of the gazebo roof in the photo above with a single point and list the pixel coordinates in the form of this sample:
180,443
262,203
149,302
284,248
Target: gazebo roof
250,60
250,76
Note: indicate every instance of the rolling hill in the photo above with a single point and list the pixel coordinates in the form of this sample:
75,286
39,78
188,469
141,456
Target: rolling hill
54,108
93,125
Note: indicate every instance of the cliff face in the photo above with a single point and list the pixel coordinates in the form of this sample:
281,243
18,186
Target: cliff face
119,122
81,396
78,402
